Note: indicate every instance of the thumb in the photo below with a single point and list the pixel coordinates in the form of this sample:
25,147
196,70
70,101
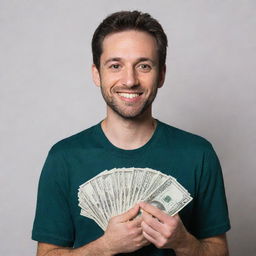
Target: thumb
130,214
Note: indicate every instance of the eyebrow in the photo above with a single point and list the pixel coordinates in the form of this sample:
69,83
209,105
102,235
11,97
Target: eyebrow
138,60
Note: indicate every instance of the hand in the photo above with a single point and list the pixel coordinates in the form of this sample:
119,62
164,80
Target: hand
162,230
124,232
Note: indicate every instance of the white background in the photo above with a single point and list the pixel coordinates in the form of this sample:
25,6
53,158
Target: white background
47,94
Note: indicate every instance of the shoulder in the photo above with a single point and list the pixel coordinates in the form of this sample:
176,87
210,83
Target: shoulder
184,139
78,141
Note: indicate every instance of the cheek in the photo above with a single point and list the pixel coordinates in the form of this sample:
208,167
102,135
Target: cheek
109,80
150,82
148,78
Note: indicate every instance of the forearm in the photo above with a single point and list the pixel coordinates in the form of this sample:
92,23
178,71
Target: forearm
96,248
204,247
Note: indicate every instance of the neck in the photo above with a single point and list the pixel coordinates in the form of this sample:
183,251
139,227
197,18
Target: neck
129,133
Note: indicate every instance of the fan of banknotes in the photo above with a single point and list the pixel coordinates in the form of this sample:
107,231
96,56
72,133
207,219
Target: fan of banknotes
115,191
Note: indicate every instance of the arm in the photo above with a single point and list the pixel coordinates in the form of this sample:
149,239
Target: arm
123,235
212,246
94,248
166,231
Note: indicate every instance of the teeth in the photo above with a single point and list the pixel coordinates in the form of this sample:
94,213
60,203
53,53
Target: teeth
129,95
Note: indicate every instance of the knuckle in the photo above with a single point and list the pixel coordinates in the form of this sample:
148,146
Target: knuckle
141,239
150,221
128,225
140,242
167,233
133,232
170,222
161,243
139,245
136,224
137,242
158,245
143,225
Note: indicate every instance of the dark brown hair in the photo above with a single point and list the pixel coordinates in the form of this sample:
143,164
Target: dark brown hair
129,20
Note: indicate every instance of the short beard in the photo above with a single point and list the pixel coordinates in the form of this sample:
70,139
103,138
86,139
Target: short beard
123,114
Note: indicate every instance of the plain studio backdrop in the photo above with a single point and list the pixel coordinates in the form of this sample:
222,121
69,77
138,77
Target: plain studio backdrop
47,94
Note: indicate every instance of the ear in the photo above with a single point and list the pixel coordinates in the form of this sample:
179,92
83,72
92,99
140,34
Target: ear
162,76
95,75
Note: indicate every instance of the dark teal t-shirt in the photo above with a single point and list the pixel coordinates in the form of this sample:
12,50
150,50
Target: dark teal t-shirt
71,162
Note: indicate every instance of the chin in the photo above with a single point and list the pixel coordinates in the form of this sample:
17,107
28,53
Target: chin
132,114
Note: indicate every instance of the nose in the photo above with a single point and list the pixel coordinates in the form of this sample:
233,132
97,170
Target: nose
130,77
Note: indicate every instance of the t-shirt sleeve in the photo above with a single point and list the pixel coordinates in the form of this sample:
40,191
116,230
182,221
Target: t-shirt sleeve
53,221
211,209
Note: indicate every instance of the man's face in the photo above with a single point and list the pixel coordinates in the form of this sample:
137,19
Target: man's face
129,73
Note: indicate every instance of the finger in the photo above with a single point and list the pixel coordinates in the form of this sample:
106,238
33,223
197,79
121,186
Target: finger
152,222
162,216
144,241
128,215
149,238
136,222
154,234
176,217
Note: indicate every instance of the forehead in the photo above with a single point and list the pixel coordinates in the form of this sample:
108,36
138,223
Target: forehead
129,44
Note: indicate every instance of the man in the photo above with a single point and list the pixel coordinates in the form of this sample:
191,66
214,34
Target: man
129,51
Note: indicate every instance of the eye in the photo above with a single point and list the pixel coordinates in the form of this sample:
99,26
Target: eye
115,66
144,67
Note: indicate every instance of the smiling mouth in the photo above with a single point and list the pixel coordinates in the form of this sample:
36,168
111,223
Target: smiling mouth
129,95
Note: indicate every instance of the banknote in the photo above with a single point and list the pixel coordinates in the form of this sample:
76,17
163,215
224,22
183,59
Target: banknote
170,197
115,191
